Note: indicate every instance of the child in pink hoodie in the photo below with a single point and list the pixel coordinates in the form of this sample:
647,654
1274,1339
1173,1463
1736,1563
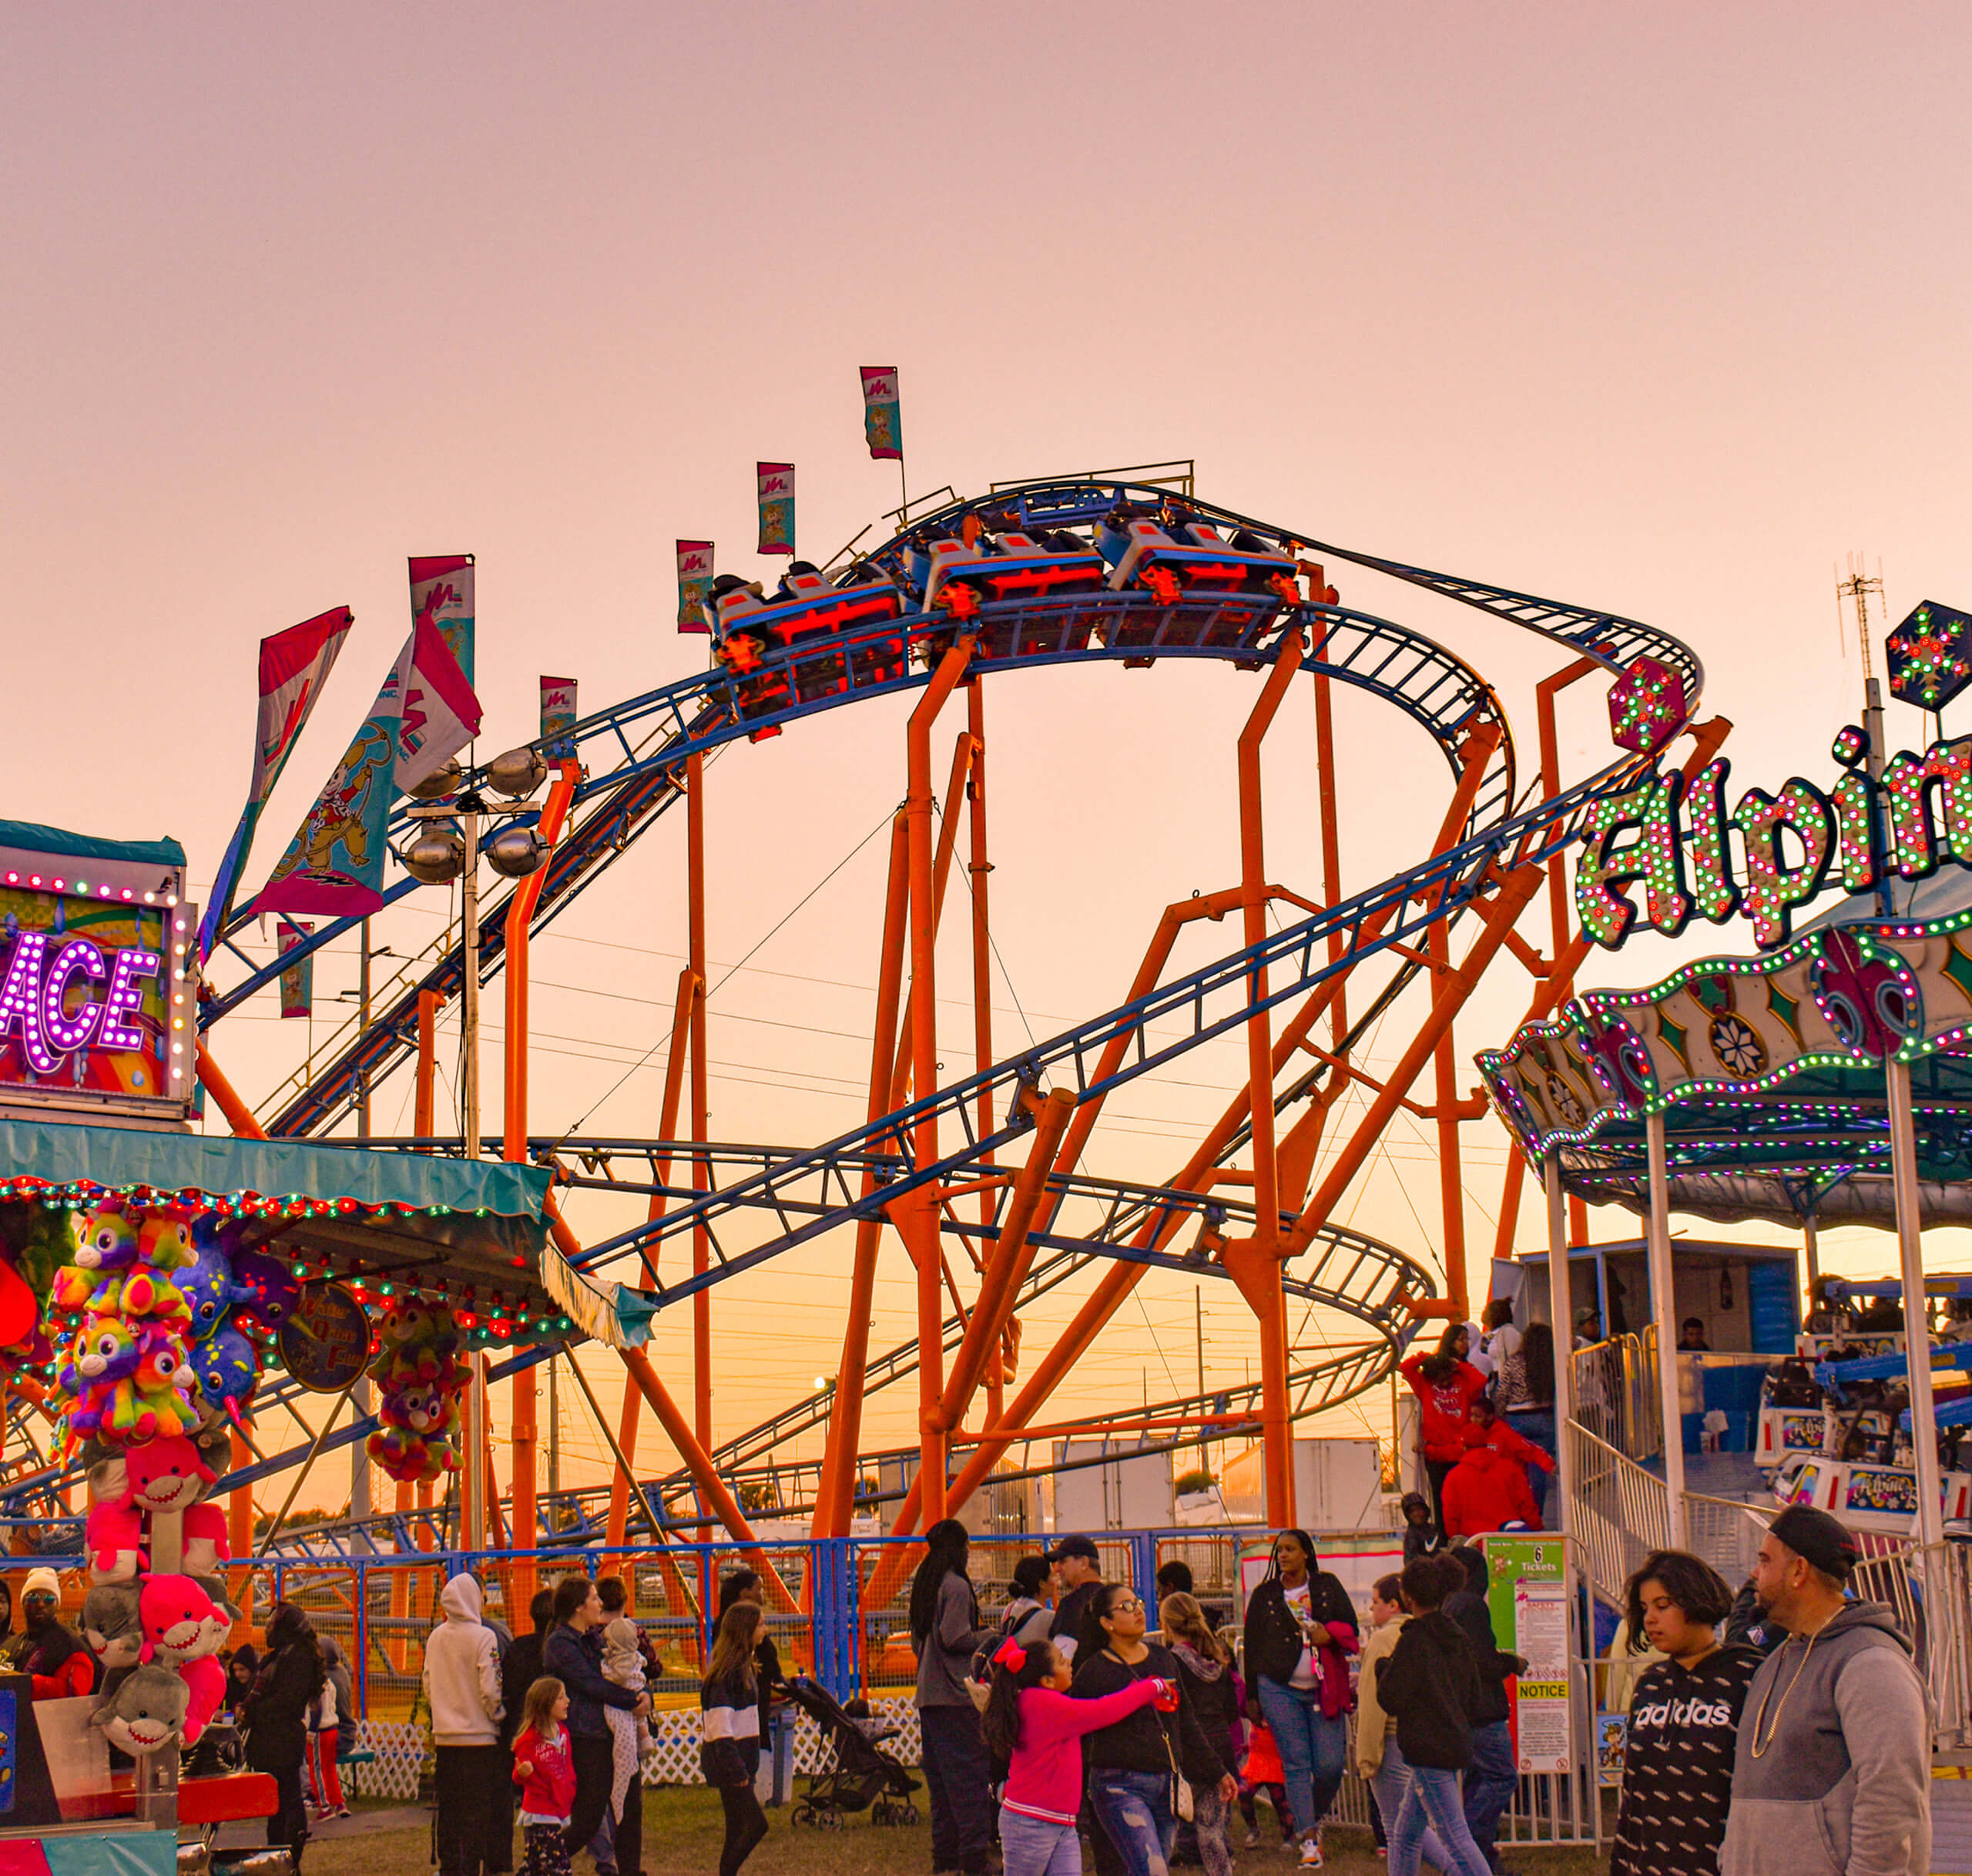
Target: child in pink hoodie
1032,1723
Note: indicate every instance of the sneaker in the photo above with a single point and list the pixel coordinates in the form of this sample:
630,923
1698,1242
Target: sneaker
1252,1840
1311,1853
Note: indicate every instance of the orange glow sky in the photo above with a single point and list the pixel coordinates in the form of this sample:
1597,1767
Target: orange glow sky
1660,309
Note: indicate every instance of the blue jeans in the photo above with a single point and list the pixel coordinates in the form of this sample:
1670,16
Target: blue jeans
959,1782
1535,1425
1490,1781
1134,1809
1432,1802
1392,1785
1312,1750
1033,1847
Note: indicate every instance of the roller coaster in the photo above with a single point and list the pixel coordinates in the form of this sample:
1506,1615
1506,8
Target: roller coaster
980,1175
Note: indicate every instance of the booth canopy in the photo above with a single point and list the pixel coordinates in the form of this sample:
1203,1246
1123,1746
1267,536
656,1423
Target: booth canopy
421,1218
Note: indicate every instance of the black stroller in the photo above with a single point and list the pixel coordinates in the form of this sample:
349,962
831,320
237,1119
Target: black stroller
852,1771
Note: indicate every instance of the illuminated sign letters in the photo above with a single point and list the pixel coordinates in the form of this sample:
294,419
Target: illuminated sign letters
1674,839
59,998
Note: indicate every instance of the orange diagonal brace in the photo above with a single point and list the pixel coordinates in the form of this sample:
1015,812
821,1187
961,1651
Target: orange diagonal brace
1507,905
941,867
1007,1265
239,1115
698,1462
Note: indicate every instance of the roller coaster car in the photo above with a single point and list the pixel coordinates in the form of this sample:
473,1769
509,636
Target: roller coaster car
1232,592
749,627
959,580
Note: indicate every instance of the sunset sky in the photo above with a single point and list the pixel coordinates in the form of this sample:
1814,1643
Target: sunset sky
1659,308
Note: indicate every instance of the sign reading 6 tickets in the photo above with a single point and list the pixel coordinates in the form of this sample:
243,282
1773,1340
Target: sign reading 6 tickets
325,1341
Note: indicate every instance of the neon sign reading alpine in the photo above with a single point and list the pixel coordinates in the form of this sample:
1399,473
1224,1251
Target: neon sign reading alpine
38,998
1674,838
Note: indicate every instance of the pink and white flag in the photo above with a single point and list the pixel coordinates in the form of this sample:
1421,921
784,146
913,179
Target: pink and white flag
441,590
440,713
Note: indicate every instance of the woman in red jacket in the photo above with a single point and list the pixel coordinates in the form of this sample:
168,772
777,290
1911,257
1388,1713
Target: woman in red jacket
1447,1385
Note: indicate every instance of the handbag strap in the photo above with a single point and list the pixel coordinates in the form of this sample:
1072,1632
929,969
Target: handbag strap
1162,1732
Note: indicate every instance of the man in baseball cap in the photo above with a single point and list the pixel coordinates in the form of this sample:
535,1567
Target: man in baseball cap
61,1667
1078,1567
1835,1744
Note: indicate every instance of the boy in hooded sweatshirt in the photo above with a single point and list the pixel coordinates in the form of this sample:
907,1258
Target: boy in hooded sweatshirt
462,1687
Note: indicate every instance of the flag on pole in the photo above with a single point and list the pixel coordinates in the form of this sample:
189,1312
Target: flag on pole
297,980
883,422
441,591
294,666
334,864
558,715
776,492
439,714
694,583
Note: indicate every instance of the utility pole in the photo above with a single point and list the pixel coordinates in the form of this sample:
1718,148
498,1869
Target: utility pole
554,1425
362,1021
1856,587
1197,1322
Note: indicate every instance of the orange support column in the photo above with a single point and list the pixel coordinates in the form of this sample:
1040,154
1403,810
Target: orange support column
424,1111
695,913
399,1651
520,919
239,1524
835,1499
920,1218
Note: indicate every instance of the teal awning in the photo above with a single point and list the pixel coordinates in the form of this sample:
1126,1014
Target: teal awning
122,1157
30,837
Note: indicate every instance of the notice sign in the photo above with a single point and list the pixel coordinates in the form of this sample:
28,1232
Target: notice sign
1528,1600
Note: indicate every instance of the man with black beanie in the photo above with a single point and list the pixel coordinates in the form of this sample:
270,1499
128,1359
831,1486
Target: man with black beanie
1834,1751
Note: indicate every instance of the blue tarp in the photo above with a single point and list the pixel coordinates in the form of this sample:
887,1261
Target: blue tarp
30,837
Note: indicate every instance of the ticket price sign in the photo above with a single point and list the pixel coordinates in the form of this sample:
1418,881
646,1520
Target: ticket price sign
1527,1598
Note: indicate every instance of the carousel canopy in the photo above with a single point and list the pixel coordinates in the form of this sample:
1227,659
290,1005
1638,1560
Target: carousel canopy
1769,1072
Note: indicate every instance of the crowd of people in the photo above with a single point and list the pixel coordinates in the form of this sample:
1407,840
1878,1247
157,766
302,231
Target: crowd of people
1486,1428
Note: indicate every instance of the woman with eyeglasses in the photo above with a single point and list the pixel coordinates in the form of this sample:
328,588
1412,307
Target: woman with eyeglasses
1134,1764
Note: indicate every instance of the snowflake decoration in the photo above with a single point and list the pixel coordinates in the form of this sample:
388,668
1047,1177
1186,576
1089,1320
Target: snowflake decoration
1646,705
1930,656
1737,1044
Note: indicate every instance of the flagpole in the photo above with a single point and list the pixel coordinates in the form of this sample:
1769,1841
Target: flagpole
904,489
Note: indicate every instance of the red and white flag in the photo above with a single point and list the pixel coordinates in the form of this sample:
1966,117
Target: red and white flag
440,713
294,666
441,591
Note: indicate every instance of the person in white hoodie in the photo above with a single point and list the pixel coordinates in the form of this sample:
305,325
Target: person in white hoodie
462,1687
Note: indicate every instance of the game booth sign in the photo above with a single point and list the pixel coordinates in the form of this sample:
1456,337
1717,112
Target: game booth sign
1829,1078
155,1284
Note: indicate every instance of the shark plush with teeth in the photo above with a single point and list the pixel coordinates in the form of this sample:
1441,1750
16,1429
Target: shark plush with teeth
146,1714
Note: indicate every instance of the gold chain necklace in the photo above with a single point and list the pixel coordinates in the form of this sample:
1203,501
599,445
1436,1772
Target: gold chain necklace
1759,1751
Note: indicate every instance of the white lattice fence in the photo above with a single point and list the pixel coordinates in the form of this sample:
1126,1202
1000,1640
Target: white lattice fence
404,1752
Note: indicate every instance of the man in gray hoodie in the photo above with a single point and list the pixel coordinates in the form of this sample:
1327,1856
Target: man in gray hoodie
462,1687
1832,1774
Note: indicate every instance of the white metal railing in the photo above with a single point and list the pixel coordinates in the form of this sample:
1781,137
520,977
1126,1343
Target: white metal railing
1616,1395
1621,1512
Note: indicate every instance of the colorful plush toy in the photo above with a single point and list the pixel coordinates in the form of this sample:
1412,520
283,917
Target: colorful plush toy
205,1687
170,1474
147,1712
179,1622
418,1370
225,1369
207,1283
124,1364
268,1289
112,1624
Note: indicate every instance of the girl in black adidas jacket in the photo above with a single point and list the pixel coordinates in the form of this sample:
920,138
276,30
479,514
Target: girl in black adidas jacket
1429,1683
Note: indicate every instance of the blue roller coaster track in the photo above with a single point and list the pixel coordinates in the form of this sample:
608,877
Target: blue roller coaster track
634,758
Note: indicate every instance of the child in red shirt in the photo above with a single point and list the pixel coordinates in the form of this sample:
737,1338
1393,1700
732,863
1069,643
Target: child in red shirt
544,1769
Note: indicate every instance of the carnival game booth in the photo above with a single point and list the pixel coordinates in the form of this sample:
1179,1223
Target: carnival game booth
155,1288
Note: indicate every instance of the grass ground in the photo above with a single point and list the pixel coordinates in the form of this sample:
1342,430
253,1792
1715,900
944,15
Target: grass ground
682,1832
